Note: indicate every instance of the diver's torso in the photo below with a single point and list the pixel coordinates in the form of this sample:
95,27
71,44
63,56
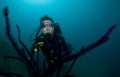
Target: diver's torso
52,48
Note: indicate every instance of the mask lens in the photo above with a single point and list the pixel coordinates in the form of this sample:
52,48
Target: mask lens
44,25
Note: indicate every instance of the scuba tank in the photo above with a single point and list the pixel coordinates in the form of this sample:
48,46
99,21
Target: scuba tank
57,28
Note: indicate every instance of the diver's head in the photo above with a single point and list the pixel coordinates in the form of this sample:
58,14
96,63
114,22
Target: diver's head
47,25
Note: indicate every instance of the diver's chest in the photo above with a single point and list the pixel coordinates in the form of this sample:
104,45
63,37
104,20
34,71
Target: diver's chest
54,44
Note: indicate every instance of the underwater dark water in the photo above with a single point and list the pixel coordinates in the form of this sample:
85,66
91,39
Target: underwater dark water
82,23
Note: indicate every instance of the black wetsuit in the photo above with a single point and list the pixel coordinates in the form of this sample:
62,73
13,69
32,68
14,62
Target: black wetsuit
53,49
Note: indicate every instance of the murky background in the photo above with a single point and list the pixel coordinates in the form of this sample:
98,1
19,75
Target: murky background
82,23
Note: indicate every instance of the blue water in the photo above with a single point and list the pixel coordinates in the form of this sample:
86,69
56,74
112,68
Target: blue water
82,23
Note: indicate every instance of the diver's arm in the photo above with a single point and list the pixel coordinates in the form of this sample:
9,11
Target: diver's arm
36,46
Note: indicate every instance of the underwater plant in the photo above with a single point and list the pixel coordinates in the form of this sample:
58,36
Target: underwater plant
32,63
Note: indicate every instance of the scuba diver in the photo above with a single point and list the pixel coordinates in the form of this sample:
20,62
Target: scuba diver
50,41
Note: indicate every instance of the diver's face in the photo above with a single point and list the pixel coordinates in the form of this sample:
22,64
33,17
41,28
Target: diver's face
47,27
